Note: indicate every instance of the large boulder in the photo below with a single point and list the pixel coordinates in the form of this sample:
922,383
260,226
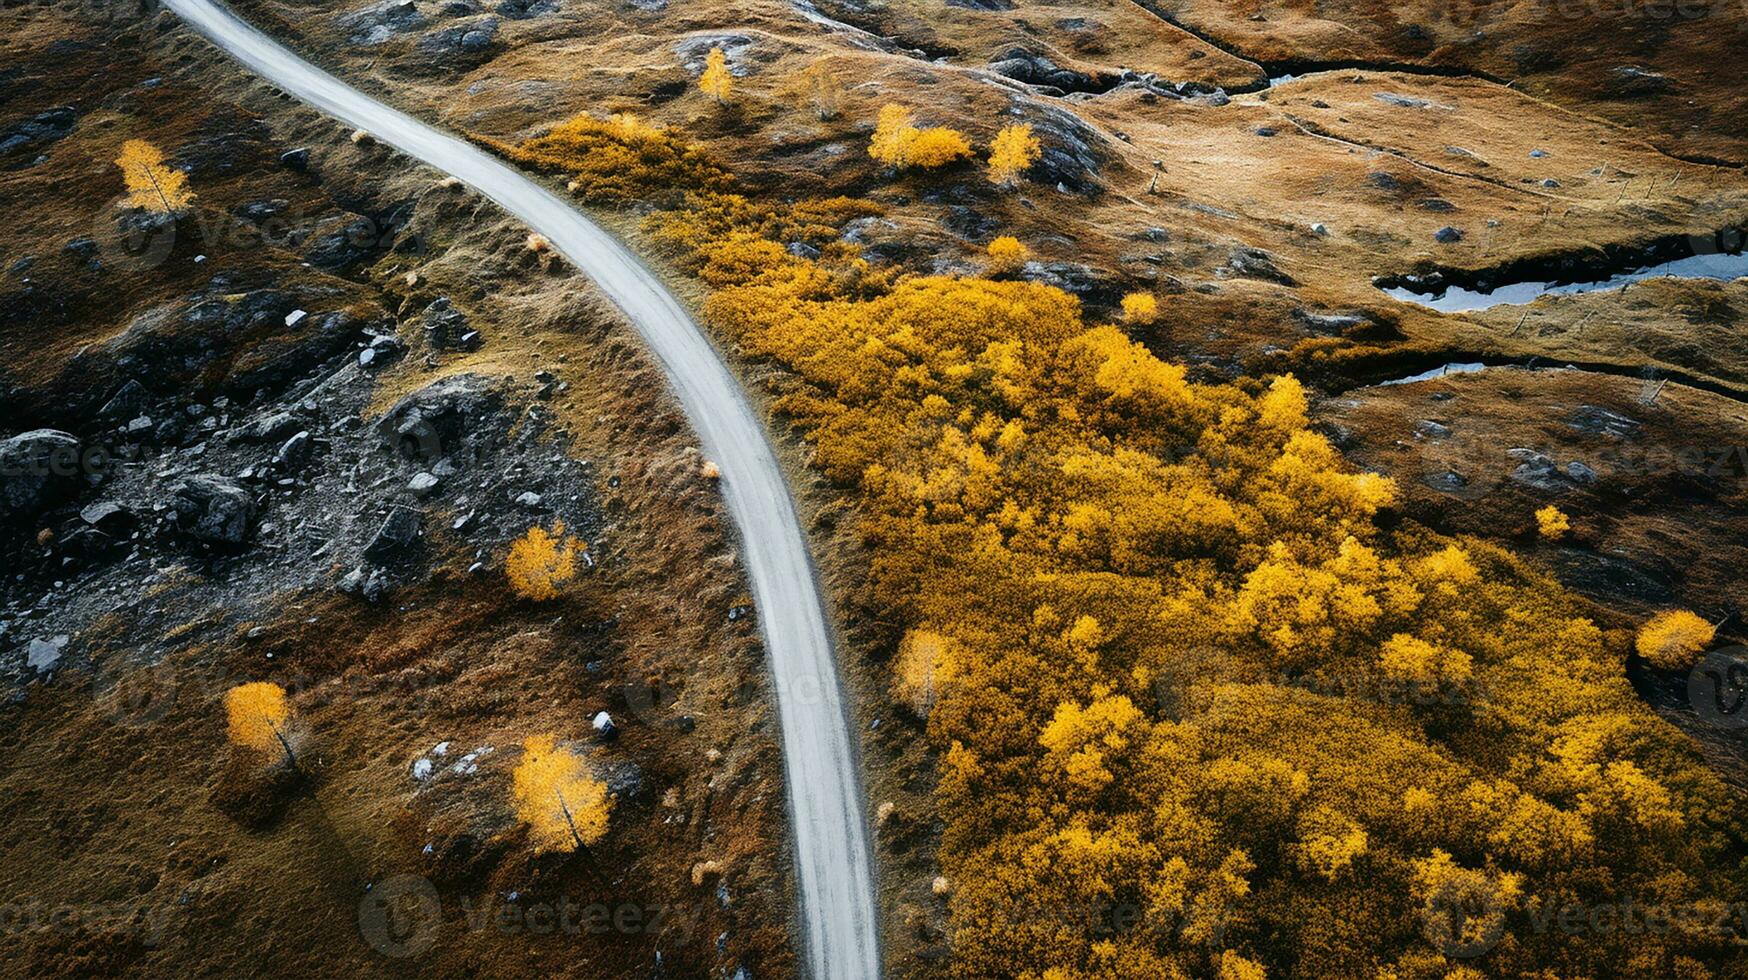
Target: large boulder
213,509
434,421
37,470
38,131
396,538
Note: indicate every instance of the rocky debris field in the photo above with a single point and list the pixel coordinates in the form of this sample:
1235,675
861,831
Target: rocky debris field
290,435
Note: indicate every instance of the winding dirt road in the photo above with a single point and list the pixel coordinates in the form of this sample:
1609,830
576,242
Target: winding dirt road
832,856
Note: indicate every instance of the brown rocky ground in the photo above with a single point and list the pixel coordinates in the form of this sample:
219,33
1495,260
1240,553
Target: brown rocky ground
1259,216
135,841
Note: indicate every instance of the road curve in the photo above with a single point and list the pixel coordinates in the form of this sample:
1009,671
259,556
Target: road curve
832,857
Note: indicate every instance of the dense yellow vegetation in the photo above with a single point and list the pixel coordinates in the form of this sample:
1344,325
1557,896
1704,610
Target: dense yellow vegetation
897,141
1203,704
617,159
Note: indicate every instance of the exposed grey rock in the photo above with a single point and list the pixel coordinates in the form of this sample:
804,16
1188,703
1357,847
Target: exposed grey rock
1450,481
1448,235
444,324
969,223
524,9
267,428
45,652
1632,80
472,37
32,134
1033,68
380,22
37,470
1071,153
423,484
295,451
1329,324
107,515
397,535
1406,101
692,51
213,509
297,161
1597,421
1254,263
128,401
431,422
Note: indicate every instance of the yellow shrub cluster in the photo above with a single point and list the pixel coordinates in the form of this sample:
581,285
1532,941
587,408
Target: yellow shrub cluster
1674,640
1199,709
541,561
897,141
618,159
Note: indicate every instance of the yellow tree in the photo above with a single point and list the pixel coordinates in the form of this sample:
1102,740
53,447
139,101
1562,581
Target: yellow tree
541,561
823,91
1007,253
716,81
558,799
1140,308
936,146
1014,149
151,185
257,714
894,131
1552,523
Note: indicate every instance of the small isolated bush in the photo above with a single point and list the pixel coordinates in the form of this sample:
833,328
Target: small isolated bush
716,82
937,146
152,186
898,142
564,807
1552,523
1014,149
1140,308
823,91
256,714
894,128
619,159
1007,253
1674,640
541,561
